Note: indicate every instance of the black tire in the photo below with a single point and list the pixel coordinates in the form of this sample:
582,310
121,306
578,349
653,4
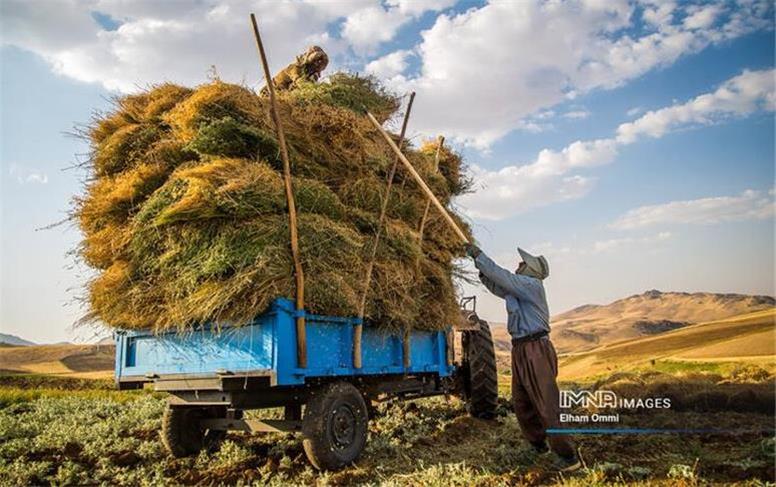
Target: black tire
480,378
183,434
335,426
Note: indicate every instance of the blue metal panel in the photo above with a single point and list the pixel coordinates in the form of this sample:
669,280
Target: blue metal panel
269,344
202,351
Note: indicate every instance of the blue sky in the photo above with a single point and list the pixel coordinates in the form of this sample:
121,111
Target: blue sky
635,150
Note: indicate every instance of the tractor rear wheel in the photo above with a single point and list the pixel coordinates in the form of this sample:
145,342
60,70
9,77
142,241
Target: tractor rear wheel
480,378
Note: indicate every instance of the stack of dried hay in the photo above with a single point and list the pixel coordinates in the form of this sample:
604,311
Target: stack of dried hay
185,216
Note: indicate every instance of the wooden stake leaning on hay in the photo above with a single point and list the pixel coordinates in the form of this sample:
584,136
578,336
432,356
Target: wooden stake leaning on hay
431,197
301,334
359,329
419,180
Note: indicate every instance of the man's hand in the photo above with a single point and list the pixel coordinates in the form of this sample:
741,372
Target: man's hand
472,250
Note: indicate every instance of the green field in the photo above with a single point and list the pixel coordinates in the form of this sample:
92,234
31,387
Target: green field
72,432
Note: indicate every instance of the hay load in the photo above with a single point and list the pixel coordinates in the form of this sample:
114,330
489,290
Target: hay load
185,216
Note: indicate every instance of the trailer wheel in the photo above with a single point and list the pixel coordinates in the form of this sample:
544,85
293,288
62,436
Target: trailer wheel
480,379
182,433
335,426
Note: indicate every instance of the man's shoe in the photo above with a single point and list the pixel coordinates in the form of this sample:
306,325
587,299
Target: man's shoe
540,447
567,464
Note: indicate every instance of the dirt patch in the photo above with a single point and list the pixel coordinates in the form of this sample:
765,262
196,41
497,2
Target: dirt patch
653,327
98,358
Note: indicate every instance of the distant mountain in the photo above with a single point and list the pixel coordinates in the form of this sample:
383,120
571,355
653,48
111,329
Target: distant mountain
650,313
6,339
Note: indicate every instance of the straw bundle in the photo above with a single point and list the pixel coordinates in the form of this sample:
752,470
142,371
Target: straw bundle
185,216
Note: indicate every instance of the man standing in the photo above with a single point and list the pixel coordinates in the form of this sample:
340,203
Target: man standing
535,394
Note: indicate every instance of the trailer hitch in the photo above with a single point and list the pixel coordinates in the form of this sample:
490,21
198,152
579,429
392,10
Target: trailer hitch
469,319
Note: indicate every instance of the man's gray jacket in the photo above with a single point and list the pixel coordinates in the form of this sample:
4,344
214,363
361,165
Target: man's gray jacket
526,301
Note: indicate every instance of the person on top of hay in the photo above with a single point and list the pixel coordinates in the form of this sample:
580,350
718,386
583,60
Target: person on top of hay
308,66
535,394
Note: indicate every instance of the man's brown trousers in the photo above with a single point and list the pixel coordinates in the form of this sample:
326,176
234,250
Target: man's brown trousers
535,393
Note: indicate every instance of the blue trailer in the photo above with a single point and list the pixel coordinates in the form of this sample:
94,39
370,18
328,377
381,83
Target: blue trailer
214,374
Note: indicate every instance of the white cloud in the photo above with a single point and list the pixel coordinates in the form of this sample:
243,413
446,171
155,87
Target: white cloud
36,177
659,13
577,114
530,126
702,17
515,189
167,41
179,41
476,84
544,114
25,175
579,154
749,205
741,95
611,244
389,66
418,7
473,84
369,27
634,111
586,249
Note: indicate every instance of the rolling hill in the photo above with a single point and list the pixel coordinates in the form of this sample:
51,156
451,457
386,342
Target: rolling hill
745,338
651,313
67,360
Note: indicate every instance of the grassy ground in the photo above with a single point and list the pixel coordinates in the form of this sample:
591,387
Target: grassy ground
22,388
62,431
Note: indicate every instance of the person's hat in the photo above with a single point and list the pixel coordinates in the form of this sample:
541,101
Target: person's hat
535,266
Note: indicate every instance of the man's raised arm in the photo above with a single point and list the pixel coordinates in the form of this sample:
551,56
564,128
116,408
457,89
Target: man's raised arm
492,287
508,281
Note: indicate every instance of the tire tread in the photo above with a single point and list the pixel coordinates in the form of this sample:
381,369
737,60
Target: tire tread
482,399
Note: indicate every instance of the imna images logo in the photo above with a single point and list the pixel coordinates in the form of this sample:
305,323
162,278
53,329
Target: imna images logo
602,399
586,399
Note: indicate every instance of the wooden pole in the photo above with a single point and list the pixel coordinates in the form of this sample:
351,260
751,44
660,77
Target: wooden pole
301,333
449,339
406,350
419,179
421,229
359,329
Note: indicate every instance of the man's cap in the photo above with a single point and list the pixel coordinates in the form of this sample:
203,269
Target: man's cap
535,266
